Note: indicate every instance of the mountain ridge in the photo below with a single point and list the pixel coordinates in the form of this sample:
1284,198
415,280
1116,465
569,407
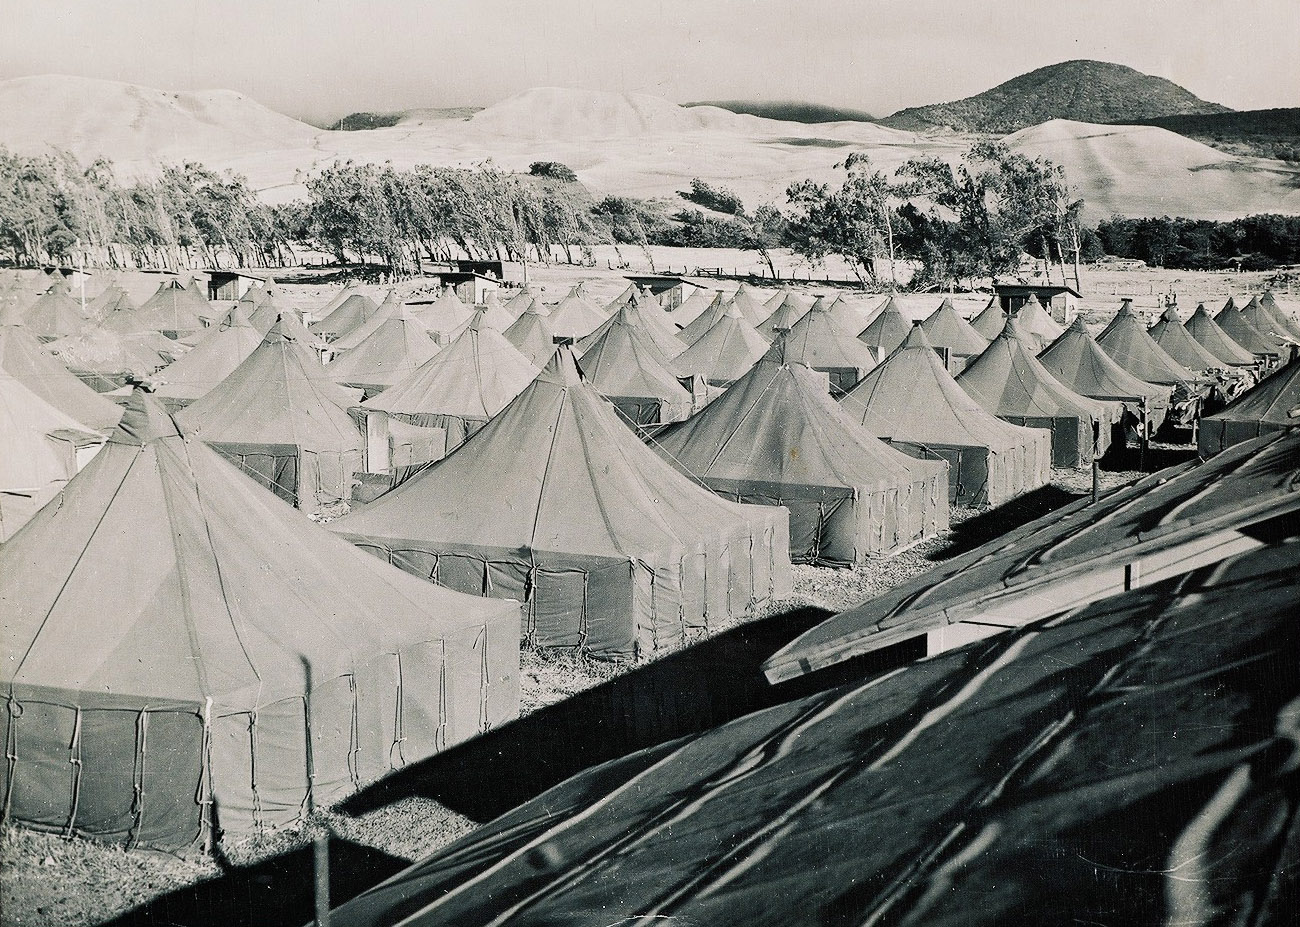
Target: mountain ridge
1081,90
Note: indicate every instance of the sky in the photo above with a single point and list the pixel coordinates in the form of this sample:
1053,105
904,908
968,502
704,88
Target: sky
321,59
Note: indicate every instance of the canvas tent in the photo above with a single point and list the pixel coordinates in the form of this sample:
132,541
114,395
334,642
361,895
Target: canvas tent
223,348
700,325
283,421
1079,362
106,360
817,342
575,316
55,314
991,320
1268,303
531,334
389,354
1179,344
724,353
749,300
626,367
461,387
183,653
782,319
446,316
558,504
1264,408
1207,333
1237,327
1034,779
887,330
651,323
1161,526
1272,324
41,448
352,312
695,305
1010,382
775,437
913,403
1128,343
177,311
953,337
21,356
1037,327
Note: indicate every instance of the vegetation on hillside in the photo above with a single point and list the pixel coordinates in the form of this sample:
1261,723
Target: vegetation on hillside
1260,133
1253,243
789,110
357,122
1086,91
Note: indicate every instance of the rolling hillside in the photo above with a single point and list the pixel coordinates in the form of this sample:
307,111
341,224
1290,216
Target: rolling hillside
789,110
1087,91
628,144
129,123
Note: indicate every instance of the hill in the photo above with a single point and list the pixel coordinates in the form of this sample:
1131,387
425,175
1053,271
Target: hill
129,123
1087,91
563,113
1263,133
1150,171
789,110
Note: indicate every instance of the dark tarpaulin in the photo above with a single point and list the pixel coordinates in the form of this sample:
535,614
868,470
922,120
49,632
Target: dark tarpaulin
1133,762
1161,525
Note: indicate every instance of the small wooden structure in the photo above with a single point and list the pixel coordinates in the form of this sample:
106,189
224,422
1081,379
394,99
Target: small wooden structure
671,291
230,284
511,272
1059,300
470,287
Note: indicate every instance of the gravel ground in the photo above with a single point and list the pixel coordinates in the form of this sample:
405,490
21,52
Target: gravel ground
50,880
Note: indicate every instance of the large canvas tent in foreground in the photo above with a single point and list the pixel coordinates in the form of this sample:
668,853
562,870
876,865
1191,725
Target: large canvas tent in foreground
775,437
1160,526
1010,382
1265,408
185,656
284,422
557,503
1130,763
913,403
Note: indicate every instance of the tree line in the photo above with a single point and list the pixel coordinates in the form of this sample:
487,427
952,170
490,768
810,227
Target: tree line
958,222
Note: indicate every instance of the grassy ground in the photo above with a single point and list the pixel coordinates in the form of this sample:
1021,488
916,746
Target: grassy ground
50,880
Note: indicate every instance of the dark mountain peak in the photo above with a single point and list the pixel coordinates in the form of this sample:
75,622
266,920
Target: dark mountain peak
1082,90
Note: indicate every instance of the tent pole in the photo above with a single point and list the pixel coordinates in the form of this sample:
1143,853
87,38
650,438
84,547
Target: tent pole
1096,464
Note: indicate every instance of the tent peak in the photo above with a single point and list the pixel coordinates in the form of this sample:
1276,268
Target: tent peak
144,420
562,368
